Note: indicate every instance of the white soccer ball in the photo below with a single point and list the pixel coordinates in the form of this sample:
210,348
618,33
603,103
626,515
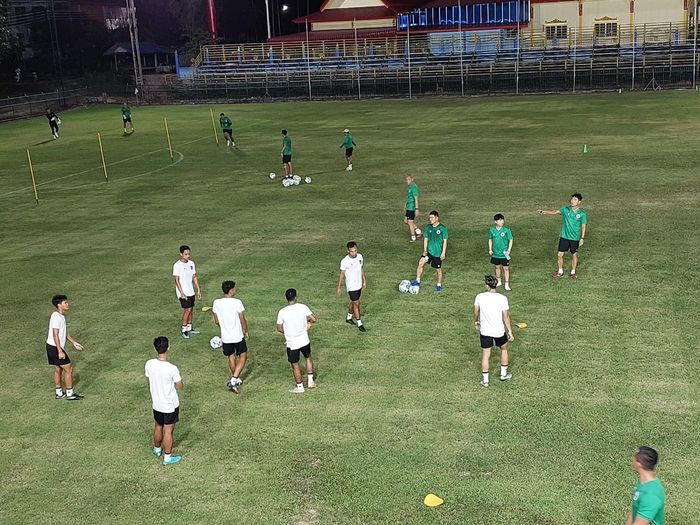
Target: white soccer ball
216,342
419,231
273,175
404,286
286,182
295,182
307,180
413,290
296,178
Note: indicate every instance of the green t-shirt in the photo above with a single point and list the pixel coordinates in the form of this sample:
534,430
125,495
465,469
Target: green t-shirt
571,223
435,235
126,112
348,142
413,192
225,122
648,501
286,145
500,240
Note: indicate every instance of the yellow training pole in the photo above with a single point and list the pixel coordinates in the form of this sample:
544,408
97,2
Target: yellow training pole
102,154
31,172
167,134
213,125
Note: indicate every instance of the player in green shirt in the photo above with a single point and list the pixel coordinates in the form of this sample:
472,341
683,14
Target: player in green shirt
434,248
126,117
500,245
649,498
573,233
287,154
348,144
411,208
227,128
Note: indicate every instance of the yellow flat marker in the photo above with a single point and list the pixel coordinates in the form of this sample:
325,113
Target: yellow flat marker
206,308
521,325
431,500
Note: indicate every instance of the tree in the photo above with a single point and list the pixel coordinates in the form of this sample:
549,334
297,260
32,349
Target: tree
9,44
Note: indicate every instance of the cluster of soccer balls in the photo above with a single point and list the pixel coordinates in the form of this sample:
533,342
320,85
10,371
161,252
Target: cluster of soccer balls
405,286
294,181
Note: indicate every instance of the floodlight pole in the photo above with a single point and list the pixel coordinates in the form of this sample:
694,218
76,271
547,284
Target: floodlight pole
308,58
267,15
408,53
357,59
461,45
695,46
135,46
517,54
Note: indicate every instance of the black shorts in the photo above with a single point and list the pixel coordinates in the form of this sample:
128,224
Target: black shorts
286,159
355,294
52,355
187,303
53,125
348,152
567,245
169,418
435,262
229,131
497,261
293,355
489,342
126,119
234,348
411,215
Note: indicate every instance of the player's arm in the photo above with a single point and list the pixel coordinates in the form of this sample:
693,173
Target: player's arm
341,278
310,320
415,199
506,321
75,343
583,235
353,144
179,288
548,212
180,385
216,319
244,324
510,247
490,246
280,328
444,249
57,343
364,280
196,283
476,316
425,246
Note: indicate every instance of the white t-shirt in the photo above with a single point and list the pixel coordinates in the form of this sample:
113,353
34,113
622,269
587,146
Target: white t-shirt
352,266
57,321
491,306
293,319
186,272
227,310
162,377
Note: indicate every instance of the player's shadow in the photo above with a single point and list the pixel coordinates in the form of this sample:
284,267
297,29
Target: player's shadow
43,142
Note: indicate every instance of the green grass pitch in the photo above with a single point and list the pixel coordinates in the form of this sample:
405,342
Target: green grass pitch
607,363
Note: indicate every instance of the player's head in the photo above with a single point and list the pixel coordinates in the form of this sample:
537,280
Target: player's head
346,131
185,252
221,115
284,132
60,302
161,344
576,199
290,295
646,458
229,288
434,217
409,179
499,219
491,282
352,249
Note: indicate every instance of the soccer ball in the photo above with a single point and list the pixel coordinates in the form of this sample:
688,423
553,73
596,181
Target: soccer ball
272,175
296,179
413,290
287,182
216,342
307,180
419,231
404,286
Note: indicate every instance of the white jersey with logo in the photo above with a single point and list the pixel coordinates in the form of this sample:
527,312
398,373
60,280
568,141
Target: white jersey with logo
227,310
491,307
293,319
186,272
352,266
162,376
57,321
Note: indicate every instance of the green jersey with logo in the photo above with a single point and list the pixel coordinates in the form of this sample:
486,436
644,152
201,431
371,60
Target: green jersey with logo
126,112
286,145
435,235
413,192
225,122
348,142
571,223
500,239
648,501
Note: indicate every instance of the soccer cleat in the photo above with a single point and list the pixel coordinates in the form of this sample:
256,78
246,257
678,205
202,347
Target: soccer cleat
413,239
505,377
438,288
348,168
415,283
507,287
233,388
62,396
74,397
233,144
172,460
573,276
193,331
557,275
296,390
185,335
362,328
483,383
312,384
350,321
156,453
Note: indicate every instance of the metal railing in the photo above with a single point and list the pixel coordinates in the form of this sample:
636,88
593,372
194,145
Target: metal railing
13,108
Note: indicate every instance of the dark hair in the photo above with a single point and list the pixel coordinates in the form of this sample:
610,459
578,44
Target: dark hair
491,281
290,294
434,213
227,286
578,196
351,244
161,344
58,299
221,114
183,248
498,217
284,132
647,457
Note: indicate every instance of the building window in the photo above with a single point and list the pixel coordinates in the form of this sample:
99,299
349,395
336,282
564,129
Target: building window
605,29
558,31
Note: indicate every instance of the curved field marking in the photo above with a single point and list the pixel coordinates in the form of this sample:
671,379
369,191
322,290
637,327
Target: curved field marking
75,174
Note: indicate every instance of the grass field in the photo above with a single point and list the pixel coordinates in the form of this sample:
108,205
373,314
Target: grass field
607,363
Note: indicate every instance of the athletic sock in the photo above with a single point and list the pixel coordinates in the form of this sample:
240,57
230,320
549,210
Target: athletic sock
504,370
485,377
166,457
413,237
418,280
359,322
300,386
349,317
157,450
184,328
189,327
69,392
59,391
310,378
561,271
573,272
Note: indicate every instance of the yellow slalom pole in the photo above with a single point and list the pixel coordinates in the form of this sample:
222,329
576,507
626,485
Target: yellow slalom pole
213,125
167,133
102,154
31,172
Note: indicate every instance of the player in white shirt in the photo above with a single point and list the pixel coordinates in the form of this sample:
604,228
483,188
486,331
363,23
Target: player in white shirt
56,349
164,381
294,321
352,270
185,275
492,320
229,315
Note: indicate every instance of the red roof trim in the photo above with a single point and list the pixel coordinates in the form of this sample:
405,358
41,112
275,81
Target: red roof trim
334,35
347,15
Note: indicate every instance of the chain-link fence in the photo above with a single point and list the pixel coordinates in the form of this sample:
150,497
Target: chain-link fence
14,108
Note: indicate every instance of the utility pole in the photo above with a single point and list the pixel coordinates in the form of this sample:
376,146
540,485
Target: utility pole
135,46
